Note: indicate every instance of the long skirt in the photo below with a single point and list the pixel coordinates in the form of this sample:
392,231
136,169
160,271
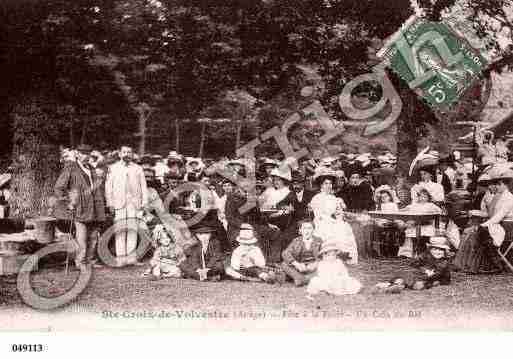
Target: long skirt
476,253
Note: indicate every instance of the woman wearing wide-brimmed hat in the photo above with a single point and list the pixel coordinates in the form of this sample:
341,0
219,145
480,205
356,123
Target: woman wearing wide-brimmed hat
500,223
279,198
478,251
329,226
277,203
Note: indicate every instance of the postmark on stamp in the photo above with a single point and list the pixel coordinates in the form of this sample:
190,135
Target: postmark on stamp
436,62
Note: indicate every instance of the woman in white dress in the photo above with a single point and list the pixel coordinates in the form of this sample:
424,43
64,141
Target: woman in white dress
329,226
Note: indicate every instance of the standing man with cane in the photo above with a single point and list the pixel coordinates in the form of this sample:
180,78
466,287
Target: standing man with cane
80,200
127,195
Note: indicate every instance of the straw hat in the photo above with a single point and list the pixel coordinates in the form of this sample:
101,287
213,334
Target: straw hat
502,173
236,162
484,179
174,157
270,162
323,173
364,159
246,227
327,161
4,179
283,173
438,242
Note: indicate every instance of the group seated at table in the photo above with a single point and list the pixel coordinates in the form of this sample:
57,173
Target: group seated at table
283,235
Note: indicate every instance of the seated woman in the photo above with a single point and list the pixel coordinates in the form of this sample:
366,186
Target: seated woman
436,190
279,202
328,227
357,193
478,248
281,198
424,204
300,257
205,259
247,261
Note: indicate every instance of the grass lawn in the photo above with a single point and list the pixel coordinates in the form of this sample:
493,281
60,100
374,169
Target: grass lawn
472,302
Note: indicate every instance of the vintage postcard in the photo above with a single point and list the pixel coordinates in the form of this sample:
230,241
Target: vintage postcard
255,165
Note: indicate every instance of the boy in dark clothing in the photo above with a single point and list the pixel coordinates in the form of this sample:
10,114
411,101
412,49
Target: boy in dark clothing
432,269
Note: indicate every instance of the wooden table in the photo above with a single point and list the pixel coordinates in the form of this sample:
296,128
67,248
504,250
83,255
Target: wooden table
418,218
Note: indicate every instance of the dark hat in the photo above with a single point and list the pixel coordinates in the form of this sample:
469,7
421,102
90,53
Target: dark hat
149,172
431,169
172,175
449,159
147,160
84,148
228,180
270,162
203,227
355,168
297,176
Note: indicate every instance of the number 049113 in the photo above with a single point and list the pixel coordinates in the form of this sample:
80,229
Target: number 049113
22,348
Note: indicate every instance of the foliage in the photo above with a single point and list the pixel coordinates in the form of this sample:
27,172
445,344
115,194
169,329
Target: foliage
101,59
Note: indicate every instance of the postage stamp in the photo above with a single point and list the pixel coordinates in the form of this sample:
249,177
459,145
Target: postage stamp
436,62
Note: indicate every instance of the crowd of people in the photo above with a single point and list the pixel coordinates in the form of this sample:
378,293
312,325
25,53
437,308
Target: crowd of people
300,226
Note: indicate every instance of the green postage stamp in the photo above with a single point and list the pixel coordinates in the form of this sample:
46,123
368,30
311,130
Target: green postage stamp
436,62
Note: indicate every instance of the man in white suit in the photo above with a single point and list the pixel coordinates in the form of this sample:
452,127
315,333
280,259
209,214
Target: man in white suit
126,196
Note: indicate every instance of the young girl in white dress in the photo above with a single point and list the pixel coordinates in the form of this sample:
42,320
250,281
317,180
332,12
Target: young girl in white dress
332,276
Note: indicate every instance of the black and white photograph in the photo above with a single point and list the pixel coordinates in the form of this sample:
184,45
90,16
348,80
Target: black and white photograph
239,165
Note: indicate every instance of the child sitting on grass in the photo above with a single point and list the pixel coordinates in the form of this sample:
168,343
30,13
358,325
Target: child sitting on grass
300,259
247,261
432,269
332,276
166,258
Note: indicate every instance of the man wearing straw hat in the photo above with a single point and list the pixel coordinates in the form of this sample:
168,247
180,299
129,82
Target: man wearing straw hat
80,199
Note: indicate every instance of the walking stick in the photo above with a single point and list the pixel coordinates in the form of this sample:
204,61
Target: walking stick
203,259
69,239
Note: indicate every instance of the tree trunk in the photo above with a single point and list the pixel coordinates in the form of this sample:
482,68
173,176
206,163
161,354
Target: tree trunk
238,136
177,135
83,132
202,140
407,138
71,137
35,157
142,133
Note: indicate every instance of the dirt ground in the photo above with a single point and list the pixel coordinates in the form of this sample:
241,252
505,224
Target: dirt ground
471,302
